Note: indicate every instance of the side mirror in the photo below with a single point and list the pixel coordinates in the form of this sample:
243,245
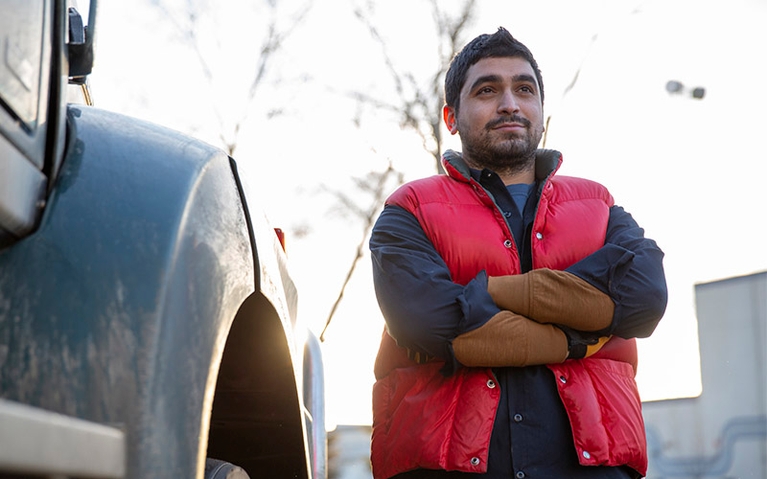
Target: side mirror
81,44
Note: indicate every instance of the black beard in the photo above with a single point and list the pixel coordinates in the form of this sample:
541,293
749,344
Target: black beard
513,155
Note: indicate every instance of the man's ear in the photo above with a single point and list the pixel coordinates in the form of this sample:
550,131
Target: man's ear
449,116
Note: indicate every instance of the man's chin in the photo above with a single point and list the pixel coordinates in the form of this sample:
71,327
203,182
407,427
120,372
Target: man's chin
514,149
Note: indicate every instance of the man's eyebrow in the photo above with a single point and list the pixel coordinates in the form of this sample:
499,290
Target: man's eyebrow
485,79
524,77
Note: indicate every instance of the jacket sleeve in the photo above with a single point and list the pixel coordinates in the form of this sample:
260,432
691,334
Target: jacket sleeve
511,340
628,268
423,308
553,297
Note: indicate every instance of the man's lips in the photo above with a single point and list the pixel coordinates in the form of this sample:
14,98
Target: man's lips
509,126
508,123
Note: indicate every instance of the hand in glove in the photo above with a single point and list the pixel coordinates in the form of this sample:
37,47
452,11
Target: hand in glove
582,345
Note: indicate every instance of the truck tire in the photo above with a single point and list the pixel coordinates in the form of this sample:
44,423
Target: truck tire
215,469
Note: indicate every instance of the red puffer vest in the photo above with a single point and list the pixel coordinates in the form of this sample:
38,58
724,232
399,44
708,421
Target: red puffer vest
422,419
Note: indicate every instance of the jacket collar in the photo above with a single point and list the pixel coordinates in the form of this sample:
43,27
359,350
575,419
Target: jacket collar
547,162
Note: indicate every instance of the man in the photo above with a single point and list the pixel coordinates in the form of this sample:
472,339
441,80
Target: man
512,297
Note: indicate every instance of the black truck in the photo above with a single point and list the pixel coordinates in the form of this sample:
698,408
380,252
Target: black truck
148,323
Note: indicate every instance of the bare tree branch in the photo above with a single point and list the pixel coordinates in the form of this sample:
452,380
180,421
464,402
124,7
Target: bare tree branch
376,184
420,108
277,32
417,107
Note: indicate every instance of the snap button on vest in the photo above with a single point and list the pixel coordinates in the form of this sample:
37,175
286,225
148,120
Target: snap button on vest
490,383
507,243
539,235
475,461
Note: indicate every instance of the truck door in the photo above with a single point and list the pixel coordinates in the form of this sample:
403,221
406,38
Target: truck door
25,72
39,40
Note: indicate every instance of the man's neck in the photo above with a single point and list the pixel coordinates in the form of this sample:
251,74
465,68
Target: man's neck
526,176
510,175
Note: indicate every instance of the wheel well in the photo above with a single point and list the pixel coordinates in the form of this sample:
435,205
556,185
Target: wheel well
256,420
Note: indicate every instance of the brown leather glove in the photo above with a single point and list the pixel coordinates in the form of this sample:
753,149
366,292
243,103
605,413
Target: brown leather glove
509,339
551,296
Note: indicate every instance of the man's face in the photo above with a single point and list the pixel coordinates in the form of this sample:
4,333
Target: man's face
500,117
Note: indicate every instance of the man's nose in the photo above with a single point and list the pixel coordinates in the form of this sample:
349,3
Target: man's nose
508,103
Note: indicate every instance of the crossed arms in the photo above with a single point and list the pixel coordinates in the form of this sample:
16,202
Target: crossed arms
533,318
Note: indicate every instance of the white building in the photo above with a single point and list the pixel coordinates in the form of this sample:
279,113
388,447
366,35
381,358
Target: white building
723,432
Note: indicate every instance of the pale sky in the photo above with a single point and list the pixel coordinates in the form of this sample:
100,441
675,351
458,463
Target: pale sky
690,171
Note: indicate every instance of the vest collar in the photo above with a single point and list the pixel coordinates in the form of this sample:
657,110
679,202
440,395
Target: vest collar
546,163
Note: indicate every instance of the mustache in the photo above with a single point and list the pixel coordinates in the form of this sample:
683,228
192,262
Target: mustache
508,119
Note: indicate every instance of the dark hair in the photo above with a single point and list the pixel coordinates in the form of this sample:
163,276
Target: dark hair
499,44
